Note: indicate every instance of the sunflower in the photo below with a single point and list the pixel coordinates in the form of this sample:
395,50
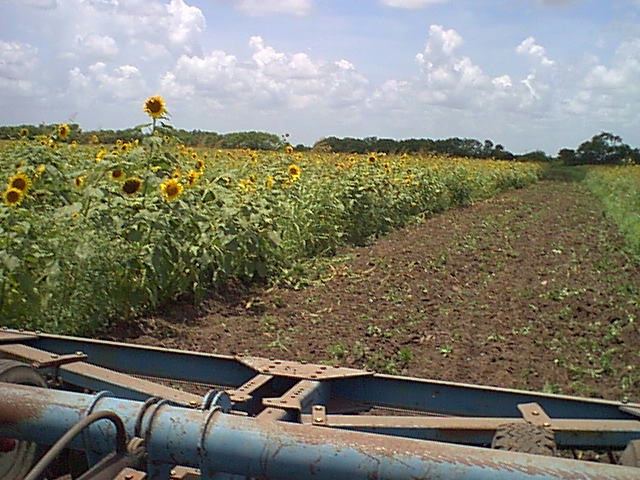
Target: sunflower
20,182
192,177
80,181
269,182
288,149
155,107
372,158
63,131
176,174
131,185
24,132
117,174
171,189
199,165
12,197
95,138
40,169
295,171
100,154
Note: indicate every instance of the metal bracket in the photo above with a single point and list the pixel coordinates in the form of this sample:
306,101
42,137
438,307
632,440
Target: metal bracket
130,474
244,391
57,360
184,473
534,414
308,371
319,415
298,397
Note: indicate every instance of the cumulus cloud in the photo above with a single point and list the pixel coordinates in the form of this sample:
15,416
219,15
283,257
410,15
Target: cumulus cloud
410,4
611,91
270,80
537,53
17,64
446,76
97,45
268,7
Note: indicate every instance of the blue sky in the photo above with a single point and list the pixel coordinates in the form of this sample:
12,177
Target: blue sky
529,74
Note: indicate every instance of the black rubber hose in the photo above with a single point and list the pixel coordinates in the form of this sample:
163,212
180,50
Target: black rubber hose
121,440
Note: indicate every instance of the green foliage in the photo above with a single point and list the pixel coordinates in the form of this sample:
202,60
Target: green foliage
78,251
619,190
603,149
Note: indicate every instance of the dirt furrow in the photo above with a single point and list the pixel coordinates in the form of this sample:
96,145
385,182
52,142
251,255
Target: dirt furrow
530,289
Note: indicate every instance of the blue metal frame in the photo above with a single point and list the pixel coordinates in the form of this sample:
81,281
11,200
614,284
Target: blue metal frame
299,408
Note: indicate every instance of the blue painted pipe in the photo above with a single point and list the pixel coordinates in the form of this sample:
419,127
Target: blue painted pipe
217,442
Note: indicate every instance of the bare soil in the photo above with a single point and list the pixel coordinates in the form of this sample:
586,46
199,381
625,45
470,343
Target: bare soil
530,289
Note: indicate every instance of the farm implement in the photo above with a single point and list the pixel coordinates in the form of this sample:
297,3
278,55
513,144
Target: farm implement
89,409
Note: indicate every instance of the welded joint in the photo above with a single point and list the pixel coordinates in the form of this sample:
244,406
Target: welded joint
534,414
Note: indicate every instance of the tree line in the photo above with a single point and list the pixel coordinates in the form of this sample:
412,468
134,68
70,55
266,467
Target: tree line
603,148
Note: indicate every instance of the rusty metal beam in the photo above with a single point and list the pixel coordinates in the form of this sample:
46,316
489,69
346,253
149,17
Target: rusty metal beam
217,442
479,431
96,378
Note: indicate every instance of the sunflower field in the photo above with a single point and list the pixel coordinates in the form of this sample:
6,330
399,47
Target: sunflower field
90,234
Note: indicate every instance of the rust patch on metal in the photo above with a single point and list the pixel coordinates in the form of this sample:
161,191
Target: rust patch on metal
16,412
418,452
286,368
13,336
130,474
244,391
534,414
184,473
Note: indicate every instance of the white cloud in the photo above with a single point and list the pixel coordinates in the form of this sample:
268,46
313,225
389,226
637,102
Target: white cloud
124,82
185,23
613,91
40,4
17,64
411,4
97,45
530,48
270,80
268,7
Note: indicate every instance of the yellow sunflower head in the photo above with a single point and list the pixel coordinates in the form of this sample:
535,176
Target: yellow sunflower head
95,138
372,158
294,171
288,149
155,107
12,197
192,177
199,164
117,174
131,185
100,154
20,182
80,181
176,174
171,189
63,131
269,182
24,132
